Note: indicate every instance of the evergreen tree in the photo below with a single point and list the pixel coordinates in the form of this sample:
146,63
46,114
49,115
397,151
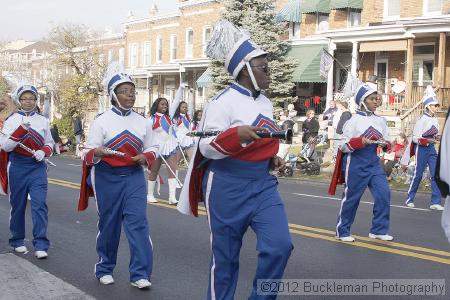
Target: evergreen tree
3,86
258,18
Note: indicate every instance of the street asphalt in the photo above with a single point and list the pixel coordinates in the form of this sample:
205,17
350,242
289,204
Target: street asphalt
182,251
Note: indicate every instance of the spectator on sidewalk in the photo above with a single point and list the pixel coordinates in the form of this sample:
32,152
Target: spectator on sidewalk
77,132
345,116
310,126
56,138
336,118
391,158
328,115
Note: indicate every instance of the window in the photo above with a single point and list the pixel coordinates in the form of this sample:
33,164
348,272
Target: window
146,54
294,30
206,38
132,55
110,55
432,7
159,49
322,22
173,47
424,49
189,43
391,9
354,18
121,56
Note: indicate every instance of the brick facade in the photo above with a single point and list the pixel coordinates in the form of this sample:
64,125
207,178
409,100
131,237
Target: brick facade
200,14
338,19
410,9
372,12
198,18
446,7
309,25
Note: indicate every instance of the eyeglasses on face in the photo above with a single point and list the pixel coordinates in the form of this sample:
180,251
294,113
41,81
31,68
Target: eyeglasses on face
127,92
264,68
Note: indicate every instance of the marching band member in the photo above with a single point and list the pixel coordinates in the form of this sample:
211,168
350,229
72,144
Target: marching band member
358,165
165,138
27,170
230,172
425,135
196,119
182,120
442,175
118,182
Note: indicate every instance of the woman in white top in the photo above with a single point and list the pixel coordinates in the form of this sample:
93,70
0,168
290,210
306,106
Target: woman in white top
165,137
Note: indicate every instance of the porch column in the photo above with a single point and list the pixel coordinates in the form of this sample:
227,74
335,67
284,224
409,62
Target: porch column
409,69
330,84
441,69
354,68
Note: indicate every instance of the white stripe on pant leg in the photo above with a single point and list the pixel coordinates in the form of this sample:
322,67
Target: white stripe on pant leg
98,212
349,157
9,192
415,172
213,266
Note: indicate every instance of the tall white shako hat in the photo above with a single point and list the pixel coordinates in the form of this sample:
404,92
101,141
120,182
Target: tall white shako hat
362,92
21,89
115,75
429,97
233,45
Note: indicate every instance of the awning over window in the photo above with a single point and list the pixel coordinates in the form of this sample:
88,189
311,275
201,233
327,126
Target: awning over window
316,6
290,12
342,4
398,45
205,79
308,63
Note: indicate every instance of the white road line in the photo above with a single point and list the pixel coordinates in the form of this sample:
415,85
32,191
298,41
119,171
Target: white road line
366,202
73,165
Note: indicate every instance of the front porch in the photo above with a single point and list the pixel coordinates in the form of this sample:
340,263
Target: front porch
400,59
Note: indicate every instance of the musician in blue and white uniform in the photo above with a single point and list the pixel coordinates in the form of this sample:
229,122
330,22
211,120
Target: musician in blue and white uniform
358,165
117,181
230,172
27,170
425,136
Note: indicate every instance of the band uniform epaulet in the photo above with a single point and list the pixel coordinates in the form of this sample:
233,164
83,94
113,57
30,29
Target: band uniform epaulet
98,115
10,115
220,94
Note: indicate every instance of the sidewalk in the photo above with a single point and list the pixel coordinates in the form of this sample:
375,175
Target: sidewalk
20,280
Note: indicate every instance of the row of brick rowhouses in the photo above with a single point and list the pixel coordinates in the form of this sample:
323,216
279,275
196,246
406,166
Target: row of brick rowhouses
396,40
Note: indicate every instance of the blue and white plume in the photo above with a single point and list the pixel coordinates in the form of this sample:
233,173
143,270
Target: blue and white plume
429,97
232,45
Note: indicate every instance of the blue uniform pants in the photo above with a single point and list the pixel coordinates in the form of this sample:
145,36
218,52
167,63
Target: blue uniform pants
239,195
362,170
425,155
121,198
27,176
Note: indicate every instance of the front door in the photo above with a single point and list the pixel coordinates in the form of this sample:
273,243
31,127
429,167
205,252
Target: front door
382,75
423,71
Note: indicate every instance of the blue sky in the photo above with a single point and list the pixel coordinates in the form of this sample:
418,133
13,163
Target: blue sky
32,19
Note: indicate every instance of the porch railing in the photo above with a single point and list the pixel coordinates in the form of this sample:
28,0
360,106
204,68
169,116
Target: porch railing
444,97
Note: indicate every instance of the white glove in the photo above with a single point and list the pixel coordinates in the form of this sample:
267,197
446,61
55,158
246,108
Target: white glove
39,155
